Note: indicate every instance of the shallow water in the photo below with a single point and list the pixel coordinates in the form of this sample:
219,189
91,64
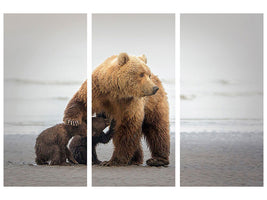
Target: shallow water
32,106
221,125
221,99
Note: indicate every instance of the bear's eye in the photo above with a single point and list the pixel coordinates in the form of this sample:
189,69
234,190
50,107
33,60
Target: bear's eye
149,76
142,75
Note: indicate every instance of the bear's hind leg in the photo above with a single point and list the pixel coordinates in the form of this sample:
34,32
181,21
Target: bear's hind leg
70,156
57,156
40,161
80,155
158,140
42,154
126,140
137,158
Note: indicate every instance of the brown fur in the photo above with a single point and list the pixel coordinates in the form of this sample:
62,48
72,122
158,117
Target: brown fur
78,145
51,144
78,148
76,110
98,136
123,87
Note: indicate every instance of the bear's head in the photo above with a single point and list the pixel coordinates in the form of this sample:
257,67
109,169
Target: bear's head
134,78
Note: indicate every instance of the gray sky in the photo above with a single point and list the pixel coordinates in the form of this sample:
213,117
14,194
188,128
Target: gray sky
222,46
45,46
222,66
136,34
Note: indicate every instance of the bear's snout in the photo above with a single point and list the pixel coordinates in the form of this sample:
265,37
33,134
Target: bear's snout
155,89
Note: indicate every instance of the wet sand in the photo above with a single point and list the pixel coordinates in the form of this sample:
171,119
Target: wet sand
133,175
19,168
221,159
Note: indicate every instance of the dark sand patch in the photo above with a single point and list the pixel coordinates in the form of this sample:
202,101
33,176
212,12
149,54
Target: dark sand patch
221,159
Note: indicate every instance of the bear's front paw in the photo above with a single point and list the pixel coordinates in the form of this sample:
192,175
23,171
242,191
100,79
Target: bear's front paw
157,162
72,122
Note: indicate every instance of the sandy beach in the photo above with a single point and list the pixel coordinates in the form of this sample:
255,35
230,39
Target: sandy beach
221,159
133,175
19,168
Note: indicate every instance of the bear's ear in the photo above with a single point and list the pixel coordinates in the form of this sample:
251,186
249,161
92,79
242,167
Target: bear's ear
143,58
123,58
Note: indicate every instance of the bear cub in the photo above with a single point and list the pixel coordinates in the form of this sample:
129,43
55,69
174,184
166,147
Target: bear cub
99,136
78,148
51,144
78,145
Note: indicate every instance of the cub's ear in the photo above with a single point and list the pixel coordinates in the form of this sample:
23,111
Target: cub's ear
123,58
143,58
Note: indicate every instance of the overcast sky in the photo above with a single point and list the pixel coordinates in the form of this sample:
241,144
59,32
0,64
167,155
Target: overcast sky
136,34
222,66
222,46
45,46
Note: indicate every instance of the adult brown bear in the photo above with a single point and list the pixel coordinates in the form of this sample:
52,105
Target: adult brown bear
124,88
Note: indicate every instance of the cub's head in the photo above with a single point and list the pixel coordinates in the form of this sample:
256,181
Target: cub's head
98,125
134,78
